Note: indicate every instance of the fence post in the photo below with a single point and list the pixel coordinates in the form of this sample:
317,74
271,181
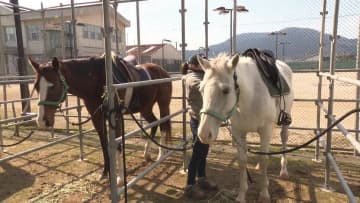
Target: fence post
357,67
81,135
5,99
184,124
16,133
321,55
331,94
109,90
1,141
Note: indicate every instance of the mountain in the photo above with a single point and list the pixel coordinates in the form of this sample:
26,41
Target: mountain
302,43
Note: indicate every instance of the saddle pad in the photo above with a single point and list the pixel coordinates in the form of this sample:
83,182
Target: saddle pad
270,74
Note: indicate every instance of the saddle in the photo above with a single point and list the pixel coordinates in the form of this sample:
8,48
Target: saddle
124,72
270,74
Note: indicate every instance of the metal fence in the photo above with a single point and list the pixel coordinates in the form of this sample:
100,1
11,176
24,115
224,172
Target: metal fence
307,118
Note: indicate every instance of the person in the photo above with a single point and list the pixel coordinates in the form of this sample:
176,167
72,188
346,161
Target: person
193,74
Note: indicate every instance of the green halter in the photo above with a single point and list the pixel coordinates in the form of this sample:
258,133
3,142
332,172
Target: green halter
219,116
65,88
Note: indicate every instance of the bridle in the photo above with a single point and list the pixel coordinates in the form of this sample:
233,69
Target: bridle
64,92
225,118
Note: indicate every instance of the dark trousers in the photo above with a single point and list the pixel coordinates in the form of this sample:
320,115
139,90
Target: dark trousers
198,159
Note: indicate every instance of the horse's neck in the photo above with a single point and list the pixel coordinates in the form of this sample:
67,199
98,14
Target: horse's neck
78,83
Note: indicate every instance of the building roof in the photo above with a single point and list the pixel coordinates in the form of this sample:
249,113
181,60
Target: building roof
146,49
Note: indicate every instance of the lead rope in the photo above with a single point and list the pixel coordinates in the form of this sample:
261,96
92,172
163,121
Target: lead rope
311,140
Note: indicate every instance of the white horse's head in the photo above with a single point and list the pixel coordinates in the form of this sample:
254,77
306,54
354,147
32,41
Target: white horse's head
219,93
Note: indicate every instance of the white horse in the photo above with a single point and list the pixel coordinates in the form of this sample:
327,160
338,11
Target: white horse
245,100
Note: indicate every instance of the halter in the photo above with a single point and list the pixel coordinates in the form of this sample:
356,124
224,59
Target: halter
65,88
226,117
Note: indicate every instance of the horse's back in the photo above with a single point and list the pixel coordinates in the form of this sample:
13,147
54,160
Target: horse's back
285,71
155,70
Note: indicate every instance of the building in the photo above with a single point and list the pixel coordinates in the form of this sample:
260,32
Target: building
49,34
163,54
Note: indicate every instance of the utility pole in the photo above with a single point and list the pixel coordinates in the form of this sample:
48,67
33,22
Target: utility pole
183,43
24,88
276,34
73,26
206,23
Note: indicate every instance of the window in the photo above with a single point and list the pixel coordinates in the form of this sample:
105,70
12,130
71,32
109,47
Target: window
33,32
113,37
10,34
92,32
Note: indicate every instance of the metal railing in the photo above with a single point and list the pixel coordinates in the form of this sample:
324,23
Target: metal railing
114,190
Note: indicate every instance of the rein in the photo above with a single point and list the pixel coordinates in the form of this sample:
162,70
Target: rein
311,140
64,92
225,118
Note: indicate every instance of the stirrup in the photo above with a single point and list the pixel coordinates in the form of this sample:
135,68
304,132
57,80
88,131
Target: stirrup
284,118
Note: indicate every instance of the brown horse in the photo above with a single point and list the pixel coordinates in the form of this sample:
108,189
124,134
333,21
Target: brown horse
85,78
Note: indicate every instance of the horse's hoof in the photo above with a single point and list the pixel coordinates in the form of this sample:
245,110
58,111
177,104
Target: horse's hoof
257,167
264,198
119,182
159,156
284,174
240,200
102,176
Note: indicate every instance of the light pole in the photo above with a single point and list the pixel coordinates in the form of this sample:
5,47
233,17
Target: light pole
162,50
283,48
276,34
237,9
222,11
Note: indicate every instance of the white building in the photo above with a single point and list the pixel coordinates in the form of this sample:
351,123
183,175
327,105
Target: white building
163,54
50,35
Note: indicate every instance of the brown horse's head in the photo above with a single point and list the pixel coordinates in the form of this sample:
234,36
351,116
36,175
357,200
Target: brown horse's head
51,88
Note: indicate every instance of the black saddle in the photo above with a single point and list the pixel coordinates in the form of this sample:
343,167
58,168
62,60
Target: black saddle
265,62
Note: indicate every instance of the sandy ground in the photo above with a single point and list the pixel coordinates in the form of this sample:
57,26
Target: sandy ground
55,174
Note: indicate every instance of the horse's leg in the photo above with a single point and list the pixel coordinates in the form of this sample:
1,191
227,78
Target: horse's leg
241,146
284,138
149,117
99,124
265,135
165,127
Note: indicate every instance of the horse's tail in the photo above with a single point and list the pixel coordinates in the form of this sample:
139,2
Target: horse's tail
164,101
166,129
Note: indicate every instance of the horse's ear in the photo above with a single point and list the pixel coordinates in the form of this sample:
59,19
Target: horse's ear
33,64
204,63
233,61
55,64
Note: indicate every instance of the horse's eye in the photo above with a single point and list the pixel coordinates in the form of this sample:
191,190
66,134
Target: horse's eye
226,90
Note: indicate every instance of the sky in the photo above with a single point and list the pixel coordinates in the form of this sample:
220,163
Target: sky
161,19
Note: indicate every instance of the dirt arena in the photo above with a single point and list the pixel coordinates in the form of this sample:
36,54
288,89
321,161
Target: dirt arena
55,174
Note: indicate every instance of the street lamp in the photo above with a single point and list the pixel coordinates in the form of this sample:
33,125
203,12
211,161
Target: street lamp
276,34
237,9
162,50
283,48
223,11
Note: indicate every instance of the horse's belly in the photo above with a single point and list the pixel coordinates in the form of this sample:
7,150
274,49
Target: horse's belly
252,123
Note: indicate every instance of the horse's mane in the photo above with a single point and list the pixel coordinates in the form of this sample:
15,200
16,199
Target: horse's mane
219,62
